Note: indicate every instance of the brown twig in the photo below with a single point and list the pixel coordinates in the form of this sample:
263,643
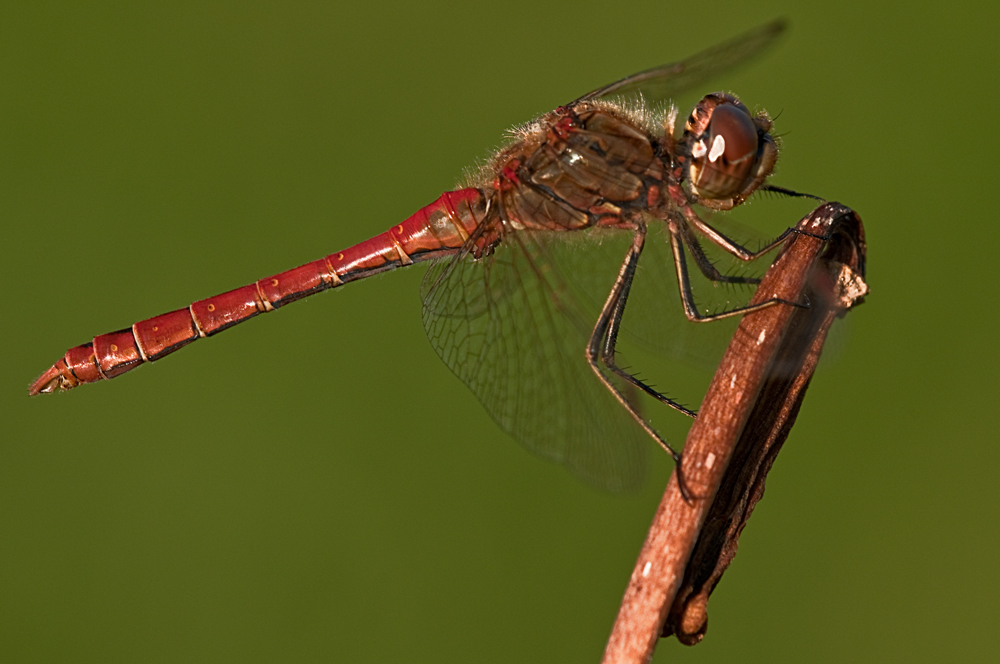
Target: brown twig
746,415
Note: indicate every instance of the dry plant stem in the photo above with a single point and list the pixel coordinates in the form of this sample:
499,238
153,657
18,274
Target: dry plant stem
752,400
774,413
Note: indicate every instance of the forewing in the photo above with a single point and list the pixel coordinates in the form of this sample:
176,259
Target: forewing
665,82
513,328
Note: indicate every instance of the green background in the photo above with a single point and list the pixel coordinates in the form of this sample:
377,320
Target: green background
315,485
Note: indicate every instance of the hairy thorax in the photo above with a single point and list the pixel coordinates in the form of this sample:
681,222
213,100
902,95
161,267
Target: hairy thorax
591,164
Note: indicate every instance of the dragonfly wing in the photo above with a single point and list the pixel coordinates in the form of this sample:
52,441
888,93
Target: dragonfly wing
664,82
511,327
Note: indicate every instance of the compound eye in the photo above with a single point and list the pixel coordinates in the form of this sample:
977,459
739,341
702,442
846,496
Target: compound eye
725,155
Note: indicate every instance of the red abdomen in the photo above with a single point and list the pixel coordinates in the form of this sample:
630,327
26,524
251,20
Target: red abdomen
438,229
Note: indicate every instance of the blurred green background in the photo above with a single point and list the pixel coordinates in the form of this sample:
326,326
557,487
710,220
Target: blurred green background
315,485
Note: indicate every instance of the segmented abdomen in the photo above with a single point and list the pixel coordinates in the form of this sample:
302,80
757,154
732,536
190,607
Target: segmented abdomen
438,229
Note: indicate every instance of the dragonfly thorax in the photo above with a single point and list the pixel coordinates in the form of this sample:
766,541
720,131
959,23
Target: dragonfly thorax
580,166
729,153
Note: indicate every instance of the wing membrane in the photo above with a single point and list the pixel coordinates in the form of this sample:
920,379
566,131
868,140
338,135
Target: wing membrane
667,81
512,327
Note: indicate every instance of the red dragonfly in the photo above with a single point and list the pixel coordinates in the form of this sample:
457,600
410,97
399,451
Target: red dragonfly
501,302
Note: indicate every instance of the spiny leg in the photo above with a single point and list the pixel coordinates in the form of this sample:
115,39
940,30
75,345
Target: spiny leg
612,306
687,295
702,261
728,245
611,341
706,267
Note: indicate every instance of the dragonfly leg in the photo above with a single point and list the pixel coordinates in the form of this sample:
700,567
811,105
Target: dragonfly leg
611,340
607,325
732,247
728,245
677,243
704,264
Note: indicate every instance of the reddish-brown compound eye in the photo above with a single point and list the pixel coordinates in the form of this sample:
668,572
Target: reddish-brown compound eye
724,157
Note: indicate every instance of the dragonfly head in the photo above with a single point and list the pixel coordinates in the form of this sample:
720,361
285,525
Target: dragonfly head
728,152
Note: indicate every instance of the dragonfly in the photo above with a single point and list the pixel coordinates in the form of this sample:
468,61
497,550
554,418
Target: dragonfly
501,299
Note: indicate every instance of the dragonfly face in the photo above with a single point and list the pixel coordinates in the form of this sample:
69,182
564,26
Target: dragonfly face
729,152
